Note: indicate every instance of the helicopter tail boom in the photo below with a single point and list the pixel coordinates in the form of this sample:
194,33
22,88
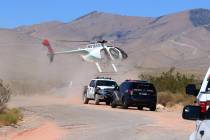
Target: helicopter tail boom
51,53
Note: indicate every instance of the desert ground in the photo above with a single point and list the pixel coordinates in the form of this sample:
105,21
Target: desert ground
60,115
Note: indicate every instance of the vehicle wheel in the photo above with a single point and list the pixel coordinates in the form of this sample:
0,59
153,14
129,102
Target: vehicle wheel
153,108
96,99
140,107
113,104
85,99
84,96
107,102
125,104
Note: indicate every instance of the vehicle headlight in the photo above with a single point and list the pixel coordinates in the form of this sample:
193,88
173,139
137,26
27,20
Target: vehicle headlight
101,91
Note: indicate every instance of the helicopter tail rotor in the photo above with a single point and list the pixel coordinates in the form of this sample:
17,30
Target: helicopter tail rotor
51,54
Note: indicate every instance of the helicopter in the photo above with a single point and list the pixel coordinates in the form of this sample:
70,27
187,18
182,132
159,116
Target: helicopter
92,52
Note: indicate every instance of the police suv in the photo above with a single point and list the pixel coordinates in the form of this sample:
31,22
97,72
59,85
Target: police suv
100,89
201,110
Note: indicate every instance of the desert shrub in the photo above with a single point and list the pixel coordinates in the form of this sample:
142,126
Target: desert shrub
5,93
174,82
169,99
7,116
10,116
171,86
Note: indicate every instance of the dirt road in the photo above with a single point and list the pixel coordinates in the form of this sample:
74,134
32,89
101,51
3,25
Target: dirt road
66,118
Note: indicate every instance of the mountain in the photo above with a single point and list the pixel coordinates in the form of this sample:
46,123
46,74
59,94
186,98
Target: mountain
178,40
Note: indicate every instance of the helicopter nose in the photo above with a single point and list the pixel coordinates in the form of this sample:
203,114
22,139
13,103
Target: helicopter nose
124,54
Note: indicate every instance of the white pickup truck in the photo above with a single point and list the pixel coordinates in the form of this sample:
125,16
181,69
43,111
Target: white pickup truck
100,89
200,112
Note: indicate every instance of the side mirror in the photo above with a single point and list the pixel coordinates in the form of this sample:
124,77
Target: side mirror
191,90
191,112
207,115
116,88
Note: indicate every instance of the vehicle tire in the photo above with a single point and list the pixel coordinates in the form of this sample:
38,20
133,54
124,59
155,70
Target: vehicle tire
140,107
96,99
113,104
153,108
108,102
124,103
85,99
84,96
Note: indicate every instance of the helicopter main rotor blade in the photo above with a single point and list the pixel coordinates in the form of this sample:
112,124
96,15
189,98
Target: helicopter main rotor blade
76,41
127,39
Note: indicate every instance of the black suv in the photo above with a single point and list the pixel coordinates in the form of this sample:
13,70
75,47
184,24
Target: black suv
135,93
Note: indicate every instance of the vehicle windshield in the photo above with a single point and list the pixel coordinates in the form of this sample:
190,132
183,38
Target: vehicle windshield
106,83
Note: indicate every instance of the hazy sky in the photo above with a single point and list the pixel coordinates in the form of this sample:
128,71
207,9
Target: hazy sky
25,12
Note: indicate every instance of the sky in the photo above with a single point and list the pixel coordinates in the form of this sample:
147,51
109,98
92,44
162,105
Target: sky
15,13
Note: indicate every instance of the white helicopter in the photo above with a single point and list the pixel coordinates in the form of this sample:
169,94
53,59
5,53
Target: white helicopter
92,53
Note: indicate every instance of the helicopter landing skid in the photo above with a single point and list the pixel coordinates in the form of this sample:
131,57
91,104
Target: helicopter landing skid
100,70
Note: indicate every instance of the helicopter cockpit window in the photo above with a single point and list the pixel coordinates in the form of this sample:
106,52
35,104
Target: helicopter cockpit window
124,55
114,52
